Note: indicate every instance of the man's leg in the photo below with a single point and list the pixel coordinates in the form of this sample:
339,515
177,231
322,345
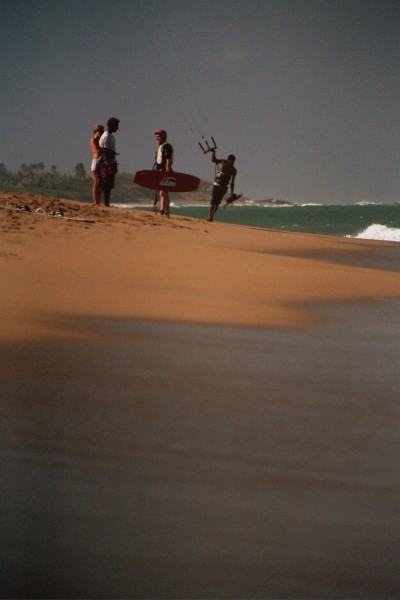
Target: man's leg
212,211
164,203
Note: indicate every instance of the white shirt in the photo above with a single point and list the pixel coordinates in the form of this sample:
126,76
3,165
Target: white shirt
107,141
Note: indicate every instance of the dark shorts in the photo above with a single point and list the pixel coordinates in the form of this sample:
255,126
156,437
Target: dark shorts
107,176
217,194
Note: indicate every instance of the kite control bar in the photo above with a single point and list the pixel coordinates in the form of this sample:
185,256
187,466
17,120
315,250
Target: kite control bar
209,148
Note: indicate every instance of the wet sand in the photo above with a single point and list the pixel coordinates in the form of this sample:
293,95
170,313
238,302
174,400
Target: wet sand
195,410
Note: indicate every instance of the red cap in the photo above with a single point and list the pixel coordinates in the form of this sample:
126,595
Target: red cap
160,132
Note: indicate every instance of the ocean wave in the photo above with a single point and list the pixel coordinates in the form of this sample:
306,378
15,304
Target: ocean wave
379,232
374,203
276,205
366,203
128,205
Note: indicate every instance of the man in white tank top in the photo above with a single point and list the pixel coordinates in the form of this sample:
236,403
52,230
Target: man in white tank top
164,161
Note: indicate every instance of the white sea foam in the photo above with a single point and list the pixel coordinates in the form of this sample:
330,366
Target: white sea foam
277,205
127,205
379,232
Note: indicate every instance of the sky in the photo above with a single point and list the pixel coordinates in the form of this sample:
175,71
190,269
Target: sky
305,93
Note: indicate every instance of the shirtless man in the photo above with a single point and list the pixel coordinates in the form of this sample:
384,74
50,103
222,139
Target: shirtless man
96,162
225,177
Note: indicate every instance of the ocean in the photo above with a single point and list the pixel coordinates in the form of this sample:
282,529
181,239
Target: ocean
361,220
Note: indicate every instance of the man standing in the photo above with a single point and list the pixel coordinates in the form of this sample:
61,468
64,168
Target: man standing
109,166
226,174
164,160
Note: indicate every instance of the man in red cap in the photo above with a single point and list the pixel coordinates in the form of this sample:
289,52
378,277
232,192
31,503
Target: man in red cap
164,160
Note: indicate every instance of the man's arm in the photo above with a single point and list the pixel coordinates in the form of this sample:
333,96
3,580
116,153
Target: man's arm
214,159
109,155
107,144
167,155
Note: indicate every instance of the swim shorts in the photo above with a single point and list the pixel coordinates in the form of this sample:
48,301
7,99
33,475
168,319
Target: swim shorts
217,194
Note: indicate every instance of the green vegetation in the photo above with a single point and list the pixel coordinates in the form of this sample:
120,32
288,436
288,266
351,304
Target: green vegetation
35,179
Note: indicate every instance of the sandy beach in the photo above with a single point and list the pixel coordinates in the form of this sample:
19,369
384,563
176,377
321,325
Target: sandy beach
194,409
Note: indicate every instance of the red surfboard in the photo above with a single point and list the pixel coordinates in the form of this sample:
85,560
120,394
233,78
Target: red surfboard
168,182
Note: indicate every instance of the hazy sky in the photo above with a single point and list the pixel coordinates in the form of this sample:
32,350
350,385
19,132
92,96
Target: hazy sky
306,93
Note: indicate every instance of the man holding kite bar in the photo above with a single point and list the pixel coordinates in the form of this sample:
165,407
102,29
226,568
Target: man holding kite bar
226,175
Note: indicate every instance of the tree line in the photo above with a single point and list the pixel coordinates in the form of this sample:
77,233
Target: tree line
36,179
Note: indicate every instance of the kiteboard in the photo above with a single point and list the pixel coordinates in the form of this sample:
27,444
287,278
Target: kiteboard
170,181
232,199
